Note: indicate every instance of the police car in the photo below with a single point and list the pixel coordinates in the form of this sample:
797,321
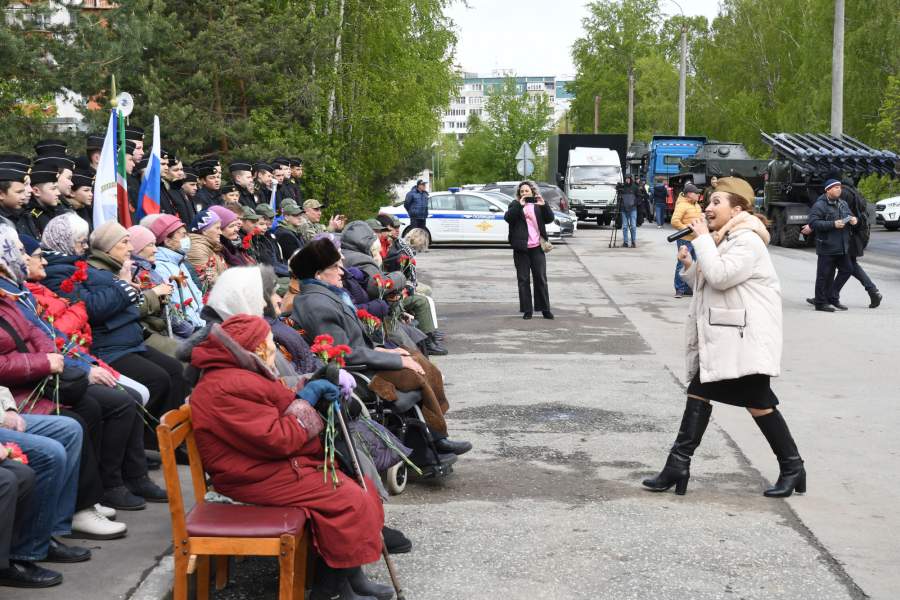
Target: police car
467,216
887,212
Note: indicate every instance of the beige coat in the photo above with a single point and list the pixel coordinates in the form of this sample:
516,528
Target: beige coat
734,325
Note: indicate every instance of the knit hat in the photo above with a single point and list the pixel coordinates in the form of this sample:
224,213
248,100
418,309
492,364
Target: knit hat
690,188
316,256
150,219
165,226
737,186
30,243
204,220
831,183
107,235
247,330
141,237
226,216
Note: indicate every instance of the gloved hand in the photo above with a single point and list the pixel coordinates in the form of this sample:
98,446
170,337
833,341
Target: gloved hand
317,389
347,383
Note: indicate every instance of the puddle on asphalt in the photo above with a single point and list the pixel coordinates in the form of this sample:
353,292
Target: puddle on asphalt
553,418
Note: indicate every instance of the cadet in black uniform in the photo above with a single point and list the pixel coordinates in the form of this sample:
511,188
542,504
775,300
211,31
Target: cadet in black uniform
209,180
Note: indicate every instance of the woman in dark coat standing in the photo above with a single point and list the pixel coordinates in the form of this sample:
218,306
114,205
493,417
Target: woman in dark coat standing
527,216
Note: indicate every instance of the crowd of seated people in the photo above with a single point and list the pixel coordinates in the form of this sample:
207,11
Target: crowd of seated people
215,301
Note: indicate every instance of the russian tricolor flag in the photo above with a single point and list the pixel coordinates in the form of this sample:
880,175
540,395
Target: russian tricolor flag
148,196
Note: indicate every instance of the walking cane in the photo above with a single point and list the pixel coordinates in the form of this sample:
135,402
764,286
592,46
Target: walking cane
168,317
362,482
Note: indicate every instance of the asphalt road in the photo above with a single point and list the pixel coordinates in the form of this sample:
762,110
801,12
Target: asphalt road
567,416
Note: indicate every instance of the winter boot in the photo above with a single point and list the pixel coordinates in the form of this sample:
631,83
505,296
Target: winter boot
333,584
678,466
792,474
434,347
875,299
360,584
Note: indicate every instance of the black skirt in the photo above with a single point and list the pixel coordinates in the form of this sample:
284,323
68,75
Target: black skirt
749,391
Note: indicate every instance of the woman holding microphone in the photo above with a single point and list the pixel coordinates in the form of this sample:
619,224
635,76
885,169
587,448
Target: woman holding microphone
733,335
527,216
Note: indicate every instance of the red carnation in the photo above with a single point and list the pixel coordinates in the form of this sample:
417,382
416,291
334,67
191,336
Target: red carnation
81,268
188,302
324,339
60,343
67,286
245,243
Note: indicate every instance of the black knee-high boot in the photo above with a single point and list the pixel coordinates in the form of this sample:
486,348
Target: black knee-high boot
334,584
792,474
678,466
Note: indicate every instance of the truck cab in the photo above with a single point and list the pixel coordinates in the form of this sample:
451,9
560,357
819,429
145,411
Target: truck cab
590,183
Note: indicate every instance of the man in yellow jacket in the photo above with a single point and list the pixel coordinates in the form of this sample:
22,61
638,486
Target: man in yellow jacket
686,211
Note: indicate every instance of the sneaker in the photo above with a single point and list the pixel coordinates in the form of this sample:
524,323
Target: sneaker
121,499
145,488
91,525
679,294
659,226
109,513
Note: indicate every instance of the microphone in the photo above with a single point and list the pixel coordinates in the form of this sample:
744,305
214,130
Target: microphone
679,234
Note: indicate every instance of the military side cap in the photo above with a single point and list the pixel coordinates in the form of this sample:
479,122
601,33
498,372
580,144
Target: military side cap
249,214
239,165
261,166
289,207
134,133
264,210
227,189
205,167
83,178
8,173
190,175
130,146
54,162
43,175
50,148
15,161
282,161
376,225
312,203
296,162
737,186
94,142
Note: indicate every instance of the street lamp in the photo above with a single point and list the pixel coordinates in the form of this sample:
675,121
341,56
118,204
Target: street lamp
682,76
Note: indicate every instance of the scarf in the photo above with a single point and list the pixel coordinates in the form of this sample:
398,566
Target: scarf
742,220
11,259
340,292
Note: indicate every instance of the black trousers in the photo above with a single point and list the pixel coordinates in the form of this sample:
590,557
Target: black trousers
416,223
826,290
16,483
856,271
531,264
164,377
90,485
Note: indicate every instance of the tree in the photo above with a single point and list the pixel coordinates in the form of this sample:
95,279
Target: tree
512,116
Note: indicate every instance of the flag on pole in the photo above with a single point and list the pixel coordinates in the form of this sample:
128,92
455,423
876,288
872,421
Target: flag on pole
272,199
124,207
148,196
105,188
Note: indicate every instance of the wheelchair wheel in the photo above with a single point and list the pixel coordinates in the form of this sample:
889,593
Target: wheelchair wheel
395,479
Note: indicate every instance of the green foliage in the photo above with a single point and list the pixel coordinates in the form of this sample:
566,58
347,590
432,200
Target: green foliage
489,150
355,87
761,65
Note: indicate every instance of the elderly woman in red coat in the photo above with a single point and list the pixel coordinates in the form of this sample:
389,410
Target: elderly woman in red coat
260,445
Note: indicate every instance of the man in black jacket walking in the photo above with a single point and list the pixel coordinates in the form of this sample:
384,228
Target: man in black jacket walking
829,218
859,239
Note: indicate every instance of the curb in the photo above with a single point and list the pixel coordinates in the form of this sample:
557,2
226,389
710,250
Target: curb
157,585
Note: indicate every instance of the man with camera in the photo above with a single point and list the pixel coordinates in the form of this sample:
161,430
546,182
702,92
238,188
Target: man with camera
829,218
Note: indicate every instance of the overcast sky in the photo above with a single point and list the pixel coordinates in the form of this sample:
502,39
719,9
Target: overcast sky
491,33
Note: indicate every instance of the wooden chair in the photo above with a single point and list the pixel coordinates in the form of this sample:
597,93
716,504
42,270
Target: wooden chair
222,530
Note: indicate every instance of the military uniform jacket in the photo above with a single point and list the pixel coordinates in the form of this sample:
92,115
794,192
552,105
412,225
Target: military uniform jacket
264,196
35,218
247,198
309,230
206,198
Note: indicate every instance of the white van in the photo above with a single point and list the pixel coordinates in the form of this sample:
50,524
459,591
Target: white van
591,178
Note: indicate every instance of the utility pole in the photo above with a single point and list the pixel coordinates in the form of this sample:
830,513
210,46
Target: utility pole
597,113
682,76
630,104
837,71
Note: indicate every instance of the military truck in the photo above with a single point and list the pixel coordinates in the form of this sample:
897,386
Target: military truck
719,159
796,176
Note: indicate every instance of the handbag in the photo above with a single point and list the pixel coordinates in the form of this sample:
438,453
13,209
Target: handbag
546,246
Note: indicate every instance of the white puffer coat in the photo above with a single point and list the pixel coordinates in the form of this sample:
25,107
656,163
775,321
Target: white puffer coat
734,325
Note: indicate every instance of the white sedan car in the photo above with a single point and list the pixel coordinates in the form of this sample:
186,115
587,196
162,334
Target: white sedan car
465,216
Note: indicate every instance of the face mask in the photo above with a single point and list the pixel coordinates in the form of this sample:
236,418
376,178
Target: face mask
185,244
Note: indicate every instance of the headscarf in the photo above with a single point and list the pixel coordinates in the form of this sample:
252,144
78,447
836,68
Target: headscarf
238,290
11,259
62,231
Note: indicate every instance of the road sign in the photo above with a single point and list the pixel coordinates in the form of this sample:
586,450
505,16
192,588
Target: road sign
525,152
525,167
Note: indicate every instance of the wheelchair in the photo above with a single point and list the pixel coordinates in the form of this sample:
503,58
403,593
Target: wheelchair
404,419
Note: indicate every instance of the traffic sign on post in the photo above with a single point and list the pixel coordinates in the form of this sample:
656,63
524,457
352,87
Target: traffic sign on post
525,152
525,167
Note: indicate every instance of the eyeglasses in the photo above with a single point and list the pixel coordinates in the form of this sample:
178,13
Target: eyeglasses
81,243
